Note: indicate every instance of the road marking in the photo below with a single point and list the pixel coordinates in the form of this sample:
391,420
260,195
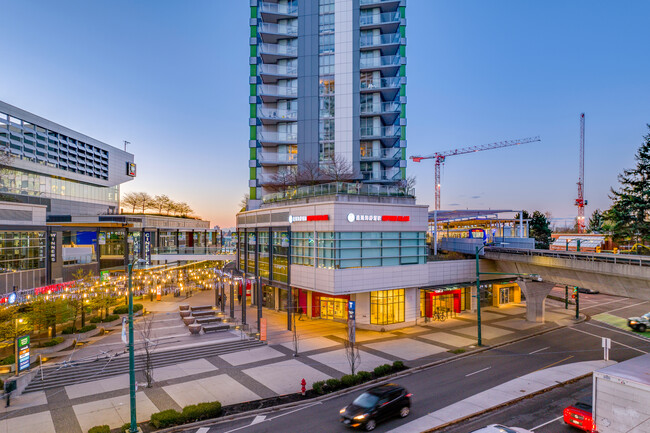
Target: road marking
605,303
203,430
295,410
258,419
551,365
629,334
546,423
600,337
539,350
627,306
467,375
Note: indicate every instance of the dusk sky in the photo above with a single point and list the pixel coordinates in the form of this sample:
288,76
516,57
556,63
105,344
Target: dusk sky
171,77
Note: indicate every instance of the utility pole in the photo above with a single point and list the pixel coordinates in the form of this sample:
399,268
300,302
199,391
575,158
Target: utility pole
580,201
125,144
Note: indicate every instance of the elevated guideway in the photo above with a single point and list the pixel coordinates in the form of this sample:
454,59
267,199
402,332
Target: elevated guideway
613,274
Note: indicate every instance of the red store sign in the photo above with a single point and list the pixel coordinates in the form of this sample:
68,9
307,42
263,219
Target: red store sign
53,288
305,218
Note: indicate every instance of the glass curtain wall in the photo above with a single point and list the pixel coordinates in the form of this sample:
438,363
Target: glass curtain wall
263,245
20,251
326,80
386,307
280,255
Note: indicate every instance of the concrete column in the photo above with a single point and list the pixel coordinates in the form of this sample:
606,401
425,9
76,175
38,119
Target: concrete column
536,293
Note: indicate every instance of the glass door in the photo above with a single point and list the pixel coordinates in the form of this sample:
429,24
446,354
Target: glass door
504,295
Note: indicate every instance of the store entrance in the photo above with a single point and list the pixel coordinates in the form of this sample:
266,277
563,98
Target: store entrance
333,308
504,295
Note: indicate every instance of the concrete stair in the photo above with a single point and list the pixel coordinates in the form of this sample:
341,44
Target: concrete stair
86,371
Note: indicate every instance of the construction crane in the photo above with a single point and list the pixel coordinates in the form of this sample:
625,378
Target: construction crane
440,157
580,201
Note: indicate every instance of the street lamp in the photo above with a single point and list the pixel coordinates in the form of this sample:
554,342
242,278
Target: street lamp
134,422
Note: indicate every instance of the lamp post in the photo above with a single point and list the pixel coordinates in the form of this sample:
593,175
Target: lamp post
134,422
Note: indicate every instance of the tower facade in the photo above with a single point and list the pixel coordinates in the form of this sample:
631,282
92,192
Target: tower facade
327,91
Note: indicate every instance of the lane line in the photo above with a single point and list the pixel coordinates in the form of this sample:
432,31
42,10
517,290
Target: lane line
600,337
620,331
551,365
539,350
203,430
258,419
546,423
605,303
467,375
627,306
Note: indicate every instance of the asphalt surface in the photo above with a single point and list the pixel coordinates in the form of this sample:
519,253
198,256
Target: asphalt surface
440,386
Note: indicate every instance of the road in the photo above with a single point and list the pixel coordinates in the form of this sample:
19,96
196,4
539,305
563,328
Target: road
442,385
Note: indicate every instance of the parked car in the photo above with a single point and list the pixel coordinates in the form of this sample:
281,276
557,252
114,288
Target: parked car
498,428
375,405
588,291
639,323
579,416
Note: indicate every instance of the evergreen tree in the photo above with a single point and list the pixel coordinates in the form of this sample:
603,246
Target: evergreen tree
629,216
595,222
540,230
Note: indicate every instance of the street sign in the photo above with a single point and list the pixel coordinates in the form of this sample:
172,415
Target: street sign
22,344
351,310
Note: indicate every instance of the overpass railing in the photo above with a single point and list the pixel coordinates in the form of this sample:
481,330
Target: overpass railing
573,255
212,250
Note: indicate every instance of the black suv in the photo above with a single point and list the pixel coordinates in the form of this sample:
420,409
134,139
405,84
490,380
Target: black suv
375,405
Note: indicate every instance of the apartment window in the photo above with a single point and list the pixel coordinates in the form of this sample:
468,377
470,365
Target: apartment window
326,106
326,43
367,125
326,151
366,148
326,129
387,307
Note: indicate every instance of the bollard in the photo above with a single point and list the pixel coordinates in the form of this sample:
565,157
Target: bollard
303,383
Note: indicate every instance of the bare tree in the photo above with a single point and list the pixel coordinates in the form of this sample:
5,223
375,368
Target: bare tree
309,174
351,351
243,203
146,201
171,207
161,202
184,209
408,183
131,199
295,336
338,169
145,330
282,180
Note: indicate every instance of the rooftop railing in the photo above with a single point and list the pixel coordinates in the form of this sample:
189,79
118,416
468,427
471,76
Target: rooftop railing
336,188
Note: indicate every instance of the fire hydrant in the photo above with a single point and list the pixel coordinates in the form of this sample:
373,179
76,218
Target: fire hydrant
303,383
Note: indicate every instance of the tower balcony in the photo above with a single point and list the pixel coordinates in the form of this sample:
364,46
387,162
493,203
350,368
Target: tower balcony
389,111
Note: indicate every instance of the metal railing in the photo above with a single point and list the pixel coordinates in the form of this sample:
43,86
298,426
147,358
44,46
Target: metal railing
573,255
335,188
193,250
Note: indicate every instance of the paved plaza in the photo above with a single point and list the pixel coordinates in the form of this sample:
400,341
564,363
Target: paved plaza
250,374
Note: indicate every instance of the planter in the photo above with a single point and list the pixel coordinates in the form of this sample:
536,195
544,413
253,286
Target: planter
185,313
189,320
195,329
184,307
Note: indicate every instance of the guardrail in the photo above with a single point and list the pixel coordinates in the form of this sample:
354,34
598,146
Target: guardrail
192,250
573,255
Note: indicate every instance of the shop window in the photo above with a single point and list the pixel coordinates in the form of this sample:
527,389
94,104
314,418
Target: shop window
386,307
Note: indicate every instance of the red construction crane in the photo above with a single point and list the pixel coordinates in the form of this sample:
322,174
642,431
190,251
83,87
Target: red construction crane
580,201
440,157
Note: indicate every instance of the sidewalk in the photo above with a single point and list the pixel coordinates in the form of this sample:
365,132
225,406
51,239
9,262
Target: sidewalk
507,392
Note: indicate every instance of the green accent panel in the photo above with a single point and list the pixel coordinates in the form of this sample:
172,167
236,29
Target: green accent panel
253,173
253,153
402,31
253,11
253,31
253,110
253,50
253,89
403,136
253,70
402,114
402,50
402,71
403,153
252,193
253,132
403,170
402,12
402,90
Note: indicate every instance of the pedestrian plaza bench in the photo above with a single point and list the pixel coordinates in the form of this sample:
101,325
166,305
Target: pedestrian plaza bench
208,320
203,314
215,328
201,308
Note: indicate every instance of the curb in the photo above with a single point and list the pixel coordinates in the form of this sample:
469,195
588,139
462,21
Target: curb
506,404
408,372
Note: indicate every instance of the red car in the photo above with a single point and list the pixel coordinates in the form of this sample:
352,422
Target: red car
579,416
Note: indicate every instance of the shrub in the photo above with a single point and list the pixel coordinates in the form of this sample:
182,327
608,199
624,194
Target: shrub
332,384
11,359
349,380
100,429
197,412
95,319
137,307
87,328
398,366
382,370
111,317
67,330
122,309
53,342
166,418
364,376
125,428
318,387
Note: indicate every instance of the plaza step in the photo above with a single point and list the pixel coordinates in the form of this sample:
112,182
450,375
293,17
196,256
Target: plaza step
86,371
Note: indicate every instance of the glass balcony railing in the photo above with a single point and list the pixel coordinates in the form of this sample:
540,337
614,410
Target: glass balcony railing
278,29
373,2
280,9
379,62
277,114
373,40
279,91
381,175
278,158
278,50
271,69
384,18
382,107
338,188
392,153
391,131
277,137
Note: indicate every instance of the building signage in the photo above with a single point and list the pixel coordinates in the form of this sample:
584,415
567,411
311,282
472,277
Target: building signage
130,169
351,310
305,218
101,239
263,329
52,247
52,288
147,247
23,353
398,218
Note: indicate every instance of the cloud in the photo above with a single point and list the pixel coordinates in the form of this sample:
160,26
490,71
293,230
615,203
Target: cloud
476,196
454,204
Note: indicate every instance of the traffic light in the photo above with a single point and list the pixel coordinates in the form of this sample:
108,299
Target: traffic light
575,293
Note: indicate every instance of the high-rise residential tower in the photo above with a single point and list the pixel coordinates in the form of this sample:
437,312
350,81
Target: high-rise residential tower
327,87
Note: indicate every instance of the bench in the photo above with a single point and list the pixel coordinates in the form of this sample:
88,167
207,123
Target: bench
208,320
201,308
202,314
215,328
